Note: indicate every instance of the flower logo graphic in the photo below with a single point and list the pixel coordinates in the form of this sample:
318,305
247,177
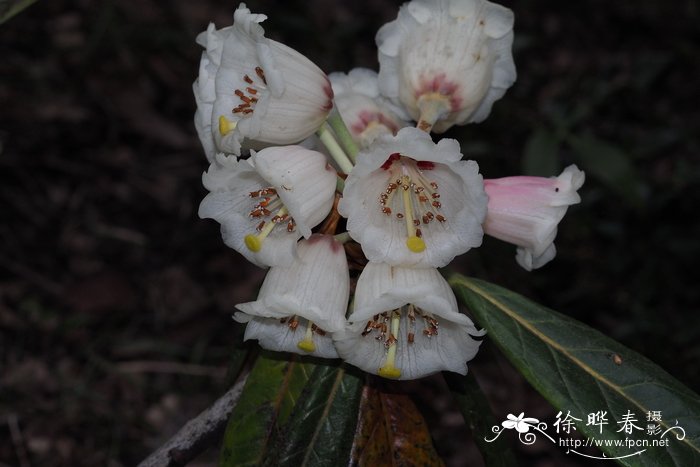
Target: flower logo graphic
520,423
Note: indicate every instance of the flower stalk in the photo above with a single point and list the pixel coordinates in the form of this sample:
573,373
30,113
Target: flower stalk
344,136
325,134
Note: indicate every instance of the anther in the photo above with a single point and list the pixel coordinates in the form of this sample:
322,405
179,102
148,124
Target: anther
261,74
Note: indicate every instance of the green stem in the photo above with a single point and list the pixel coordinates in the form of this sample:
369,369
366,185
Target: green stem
343,237
325,134
339,185
341,130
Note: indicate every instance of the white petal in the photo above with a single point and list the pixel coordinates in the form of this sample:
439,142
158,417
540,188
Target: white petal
304,181
525,258
381,288
279,337
315,287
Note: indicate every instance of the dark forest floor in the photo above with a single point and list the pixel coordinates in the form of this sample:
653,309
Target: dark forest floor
115,299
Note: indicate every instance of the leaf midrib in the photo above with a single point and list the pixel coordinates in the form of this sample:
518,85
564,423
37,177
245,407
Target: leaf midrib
329,401
525,324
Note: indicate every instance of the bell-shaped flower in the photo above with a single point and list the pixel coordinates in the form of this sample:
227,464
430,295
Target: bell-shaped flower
266,203
406,324
411,202
263,91
526,211
366,113
298,306
447,61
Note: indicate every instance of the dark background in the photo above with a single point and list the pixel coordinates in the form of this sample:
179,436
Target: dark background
115,299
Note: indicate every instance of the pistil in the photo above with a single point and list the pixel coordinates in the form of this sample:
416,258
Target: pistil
389,369
307,343
413,242
255,242
419,202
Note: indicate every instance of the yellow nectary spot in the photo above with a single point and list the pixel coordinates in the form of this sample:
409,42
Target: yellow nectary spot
253,242
307,345
415,244
389,372
226,126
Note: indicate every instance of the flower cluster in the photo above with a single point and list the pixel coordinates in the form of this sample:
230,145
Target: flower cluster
411,204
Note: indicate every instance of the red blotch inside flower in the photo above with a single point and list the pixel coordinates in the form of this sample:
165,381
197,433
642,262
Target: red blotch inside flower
425,165
394,157
366,117
328,91
439,84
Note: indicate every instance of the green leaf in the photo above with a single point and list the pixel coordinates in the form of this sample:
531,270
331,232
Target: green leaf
610,165
391,431
269,395
580,370
321,428
541,156
479,418
9,8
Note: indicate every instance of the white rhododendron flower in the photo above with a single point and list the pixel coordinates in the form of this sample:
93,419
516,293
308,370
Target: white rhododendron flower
298,306
405,324
253,89
266,203
447,61
366,113
412,202
525,211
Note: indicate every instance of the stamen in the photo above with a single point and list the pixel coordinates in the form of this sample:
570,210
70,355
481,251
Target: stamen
261,74
419,200
293,323
307,343
411,324
254,242
389,369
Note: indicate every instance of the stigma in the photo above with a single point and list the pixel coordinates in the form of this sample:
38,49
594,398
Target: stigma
248,95
386,328
306,343
268,213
